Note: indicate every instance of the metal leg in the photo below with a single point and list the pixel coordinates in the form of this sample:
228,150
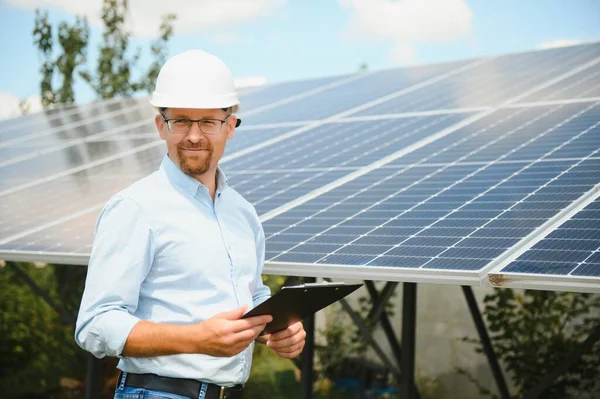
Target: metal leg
92,378
573,358
487,344
308,355
385,321
409,321
386,325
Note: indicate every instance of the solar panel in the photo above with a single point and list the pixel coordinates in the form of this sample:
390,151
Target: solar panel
439,173
456,216
568,258
46,118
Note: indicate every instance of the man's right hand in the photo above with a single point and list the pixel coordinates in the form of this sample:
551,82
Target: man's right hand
227,334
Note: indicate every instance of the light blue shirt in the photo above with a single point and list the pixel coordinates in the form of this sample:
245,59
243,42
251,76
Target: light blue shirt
165,252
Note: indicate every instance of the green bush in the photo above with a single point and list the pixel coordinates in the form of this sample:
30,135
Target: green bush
535,331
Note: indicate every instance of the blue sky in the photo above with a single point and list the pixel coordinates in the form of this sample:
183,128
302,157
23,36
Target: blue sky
281,40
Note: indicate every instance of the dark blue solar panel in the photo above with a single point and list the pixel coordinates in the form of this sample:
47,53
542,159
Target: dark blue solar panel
468,213
279,176
572,249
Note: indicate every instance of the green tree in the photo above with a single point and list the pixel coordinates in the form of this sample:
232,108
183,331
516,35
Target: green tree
113,72
42,38
533,332
159,51
36,346
73,41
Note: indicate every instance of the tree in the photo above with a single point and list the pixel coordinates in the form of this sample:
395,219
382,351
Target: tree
159,51
113,73
73,41
42,35
533,332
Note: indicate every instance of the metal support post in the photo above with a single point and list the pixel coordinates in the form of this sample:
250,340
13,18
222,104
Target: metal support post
486,343
92,378
308,354
409,323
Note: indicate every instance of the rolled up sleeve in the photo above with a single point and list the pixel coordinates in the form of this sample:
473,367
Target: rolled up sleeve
121,258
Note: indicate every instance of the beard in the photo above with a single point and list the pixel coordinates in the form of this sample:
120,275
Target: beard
195,164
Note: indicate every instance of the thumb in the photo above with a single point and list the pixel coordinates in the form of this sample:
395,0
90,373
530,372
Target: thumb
234,314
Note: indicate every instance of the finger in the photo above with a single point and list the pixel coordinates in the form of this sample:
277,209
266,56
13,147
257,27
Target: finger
290,355
233,314
291,348
250,322
288,332
284,343
248,335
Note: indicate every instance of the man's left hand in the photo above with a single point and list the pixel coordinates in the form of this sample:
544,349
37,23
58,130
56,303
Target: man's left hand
286,343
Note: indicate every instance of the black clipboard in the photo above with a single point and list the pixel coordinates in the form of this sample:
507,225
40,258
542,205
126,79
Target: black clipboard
294,303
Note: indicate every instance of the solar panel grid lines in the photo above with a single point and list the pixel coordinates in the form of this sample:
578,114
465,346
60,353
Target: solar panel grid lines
315,260
53,223
506,272
328,148
381,163
72,142
350,119
305,94
541,187
76,124
586,84
483,86
553,102
345,113
58,111
77,169
391,176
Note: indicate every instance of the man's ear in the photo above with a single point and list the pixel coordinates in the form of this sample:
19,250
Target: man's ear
231,125
160,126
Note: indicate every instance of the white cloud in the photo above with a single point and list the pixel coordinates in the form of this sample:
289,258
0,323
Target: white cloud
249,81
9,105
558,43
145,15
406,23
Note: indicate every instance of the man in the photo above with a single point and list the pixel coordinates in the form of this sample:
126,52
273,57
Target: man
177,257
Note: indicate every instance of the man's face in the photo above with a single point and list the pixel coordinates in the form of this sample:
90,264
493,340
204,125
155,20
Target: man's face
195,152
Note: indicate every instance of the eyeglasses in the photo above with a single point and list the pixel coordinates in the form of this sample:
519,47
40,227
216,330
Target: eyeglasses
208,126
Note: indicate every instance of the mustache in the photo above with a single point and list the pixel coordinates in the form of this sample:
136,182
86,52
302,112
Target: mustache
194,147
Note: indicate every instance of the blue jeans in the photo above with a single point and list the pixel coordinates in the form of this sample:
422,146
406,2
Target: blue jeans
124,392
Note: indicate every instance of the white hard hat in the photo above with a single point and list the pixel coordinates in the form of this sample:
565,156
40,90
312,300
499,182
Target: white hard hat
194,79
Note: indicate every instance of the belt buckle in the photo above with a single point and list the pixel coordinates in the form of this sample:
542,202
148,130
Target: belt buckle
222,392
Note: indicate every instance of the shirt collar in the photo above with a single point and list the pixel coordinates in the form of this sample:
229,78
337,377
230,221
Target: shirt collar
186,182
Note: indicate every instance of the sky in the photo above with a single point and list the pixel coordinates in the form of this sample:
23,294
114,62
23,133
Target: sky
270,41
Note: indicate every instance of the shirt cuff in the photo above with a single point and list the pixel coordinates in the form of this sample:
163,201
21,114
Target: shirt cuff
117,326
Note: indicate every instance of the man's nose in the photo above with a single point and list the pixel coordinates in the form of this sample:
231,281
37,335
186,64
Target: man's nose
195,134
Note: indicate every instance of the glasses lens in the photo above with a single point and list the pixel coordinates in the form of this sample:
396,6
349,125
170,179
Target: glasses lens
180,125
210,127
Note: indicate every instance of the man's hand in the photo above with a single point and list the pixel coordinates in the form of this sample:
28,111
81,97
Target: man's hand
287,343
227,334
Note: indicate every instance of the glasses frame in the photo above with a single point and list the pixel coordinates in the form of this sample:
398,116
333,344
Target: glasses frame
222,121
